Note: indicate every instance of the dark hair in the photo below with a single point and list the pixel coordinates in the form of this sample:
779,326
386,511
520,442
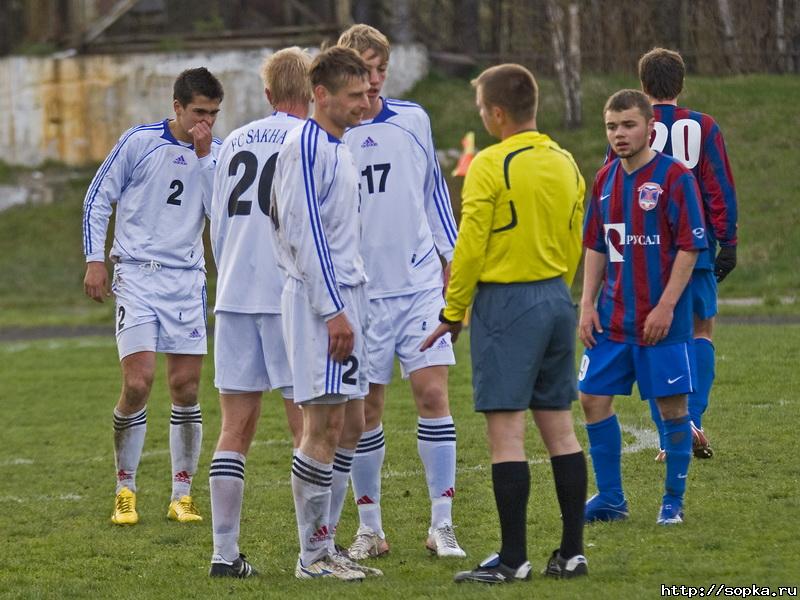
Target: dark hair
625,99
196,82
333,67
661,72
512,87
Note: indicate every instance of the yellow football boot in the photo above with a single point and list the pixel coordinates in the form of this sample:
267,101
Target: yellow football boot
183,510
125,508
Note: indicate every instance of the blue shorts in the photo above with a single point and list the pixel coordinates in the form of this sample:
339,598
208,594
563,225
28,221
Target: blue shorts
610,368
703,290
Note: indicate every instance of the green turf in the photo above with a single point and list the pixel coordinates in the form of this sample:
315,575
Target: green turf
56,469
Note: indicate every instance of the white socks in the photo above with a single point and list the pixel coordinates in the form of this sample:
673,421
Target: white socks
185,439
226,483
366,476
436,444
311,488
129,432
342,462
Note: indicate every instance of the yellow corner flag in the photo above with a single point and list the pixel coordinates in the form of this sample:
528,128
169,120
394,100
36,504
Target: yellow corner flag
467,154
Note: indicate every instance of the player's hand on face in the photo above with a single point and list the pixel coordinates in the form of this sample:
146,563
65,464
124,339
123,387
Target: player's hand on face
340,338
201,136
95,282
454,329
588,324
657,324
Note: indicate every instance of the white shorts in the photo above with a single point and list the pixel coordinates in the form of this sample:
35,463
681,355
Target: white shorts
400,325
314,373
159,309
249,354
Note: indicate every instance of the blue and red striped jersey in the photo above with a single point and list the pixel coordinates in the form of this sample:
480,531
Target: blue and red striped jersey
695,139
640,221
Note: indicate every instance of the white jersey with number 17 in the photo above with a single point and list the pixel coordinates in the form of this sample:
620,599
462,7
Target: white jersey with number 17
249,280
406,213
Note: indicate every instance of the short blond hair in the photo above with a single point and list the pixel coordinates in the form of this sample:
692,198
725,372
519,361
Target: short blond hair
285,75
363,37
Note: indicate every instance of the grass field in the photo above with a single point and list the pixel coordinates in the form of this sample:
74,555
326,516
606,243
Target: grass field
57,474
41,262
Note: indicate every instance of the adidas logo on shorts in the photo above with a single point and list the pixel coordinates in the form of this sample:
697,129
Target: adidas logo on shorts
179,161
369,143
442,343
195,335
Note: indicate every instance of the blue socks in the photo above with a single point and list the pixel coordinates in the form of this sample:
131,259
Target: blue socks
605,446
698,401
656,415
678,445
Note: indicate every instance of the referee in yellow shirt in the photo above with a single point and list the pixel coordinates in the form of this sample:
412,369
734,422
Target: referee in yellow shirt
519,244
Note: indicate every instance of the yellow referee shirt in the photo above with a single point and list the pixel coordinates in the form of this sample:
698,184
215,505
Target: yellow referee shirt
521,218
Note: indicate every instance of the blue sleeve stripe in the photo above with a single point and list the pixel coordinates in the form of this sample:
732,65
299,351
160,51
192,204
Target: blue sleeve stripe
443,206
98,180
308,149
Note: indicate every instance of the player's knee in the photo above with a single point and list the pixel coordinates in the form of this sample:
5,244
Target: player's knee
432,401
184,390
352,430
135,390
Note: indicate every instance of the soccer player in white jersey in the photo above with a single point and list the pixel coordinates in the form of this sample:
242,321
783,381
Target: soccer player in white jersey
315,211
408,226
249,352
160,177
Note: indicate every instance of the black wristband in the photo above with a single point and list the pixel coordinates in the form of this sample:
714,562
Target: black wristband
445,320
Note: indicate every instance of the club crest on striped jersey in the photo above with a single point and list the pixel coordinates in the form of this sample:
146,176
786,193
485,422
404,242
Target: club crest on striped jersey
649,194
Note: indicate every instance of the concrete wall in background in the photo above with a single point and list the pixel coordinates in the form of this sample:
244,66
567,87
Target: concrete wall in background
73,110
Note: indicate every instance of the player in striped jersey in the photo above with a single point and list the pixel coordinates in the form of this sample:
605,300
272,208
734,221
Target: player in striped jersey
160,177
696,140
315,212
249,351
643,231
408,226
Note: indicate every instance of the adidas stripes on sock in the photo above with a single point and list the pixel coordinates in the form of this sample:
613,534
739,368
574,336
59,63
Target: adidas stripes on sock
226,483
129,433
185,440
436,444
366,476
342,463
311,489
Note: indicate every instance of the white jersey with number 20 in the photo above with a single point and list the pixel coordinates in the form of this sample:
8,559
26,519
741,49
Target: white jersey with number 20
249,280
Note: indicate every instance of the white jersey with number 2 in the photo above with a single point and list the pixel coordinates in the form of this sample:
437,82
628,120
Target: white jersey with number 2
163,194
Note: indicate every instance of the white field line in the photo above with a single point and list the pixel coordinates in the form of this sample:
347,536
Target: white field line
58,344
644,439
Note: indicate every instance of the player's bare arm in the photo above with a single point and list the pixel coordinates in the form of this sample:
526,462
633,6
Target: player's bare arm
658,322
95,282
340,338
593,270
